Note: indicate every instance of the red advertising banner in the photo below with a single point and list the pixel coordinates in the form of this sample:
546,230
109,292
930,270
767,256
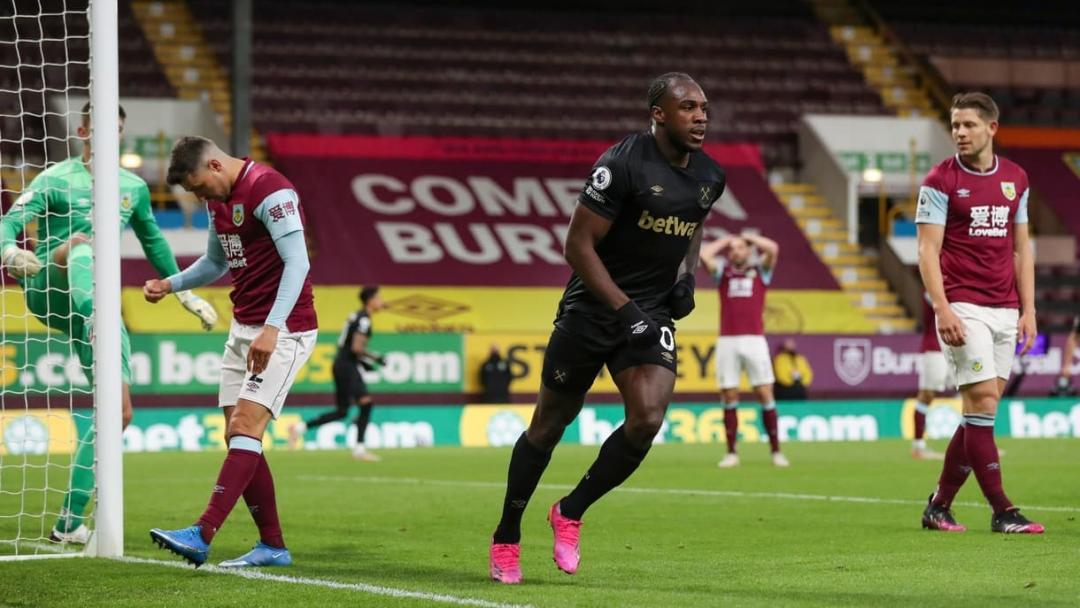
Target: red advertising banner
479,212
861,365
1055,174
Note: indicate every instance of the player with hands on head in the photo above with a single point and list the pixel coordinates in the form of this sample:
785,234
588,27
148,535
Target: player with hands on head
743,267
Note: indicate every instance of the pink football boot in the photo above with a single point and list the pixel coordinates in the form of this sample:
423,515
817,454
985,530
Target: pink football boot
506,563
567,531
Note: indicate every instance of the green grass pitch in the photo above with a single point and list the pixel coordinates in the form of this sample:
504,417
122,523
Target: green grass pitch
681,533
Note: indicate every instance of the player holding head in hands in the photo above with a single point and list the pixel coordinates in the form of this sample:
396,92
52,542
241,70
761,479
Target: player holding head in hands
743,275
633,246
977,264
256,235
57,279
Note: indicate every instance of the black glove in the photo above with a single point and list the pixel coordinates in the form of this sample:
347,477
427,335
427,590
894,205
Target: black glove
680,299
380,359
640,329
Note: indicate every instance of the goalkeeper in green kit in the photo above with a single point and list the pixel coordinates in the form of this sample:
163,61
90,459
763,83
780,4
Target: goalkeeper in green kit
58,280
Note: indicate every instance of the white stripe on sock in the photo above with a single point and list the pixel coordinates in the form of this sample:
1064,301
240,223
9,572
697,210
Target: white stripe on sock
243,442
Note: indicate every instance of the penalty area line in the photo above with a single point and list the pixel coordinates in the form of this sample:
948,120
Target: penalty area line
869,500
367,588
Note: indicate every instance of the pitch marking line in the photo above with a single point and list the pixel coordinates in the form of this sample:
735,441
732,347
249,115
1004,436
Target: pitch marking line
671,491
45,550
66,549
328,584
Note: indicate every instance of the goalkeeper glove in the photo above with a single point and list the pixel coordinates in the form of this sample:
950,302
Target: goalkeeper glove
21,263
198,307
680,299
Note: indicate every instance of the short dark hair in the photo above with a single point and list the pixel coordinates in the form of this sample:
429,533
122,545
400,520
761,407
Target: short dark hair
368,292
982,103
660,85
86,114
184,159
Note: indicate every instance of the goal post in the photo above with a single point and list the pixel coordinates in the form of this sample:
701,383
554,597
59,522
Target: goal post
61,471
108,394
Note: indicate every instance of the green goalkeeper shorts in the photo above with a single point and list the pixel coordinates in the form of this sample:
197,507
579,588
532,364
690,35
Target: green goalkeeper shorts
47,297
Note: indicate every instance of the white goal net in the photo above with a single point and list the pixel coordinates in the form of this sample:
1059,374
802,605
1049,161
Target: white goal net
47,457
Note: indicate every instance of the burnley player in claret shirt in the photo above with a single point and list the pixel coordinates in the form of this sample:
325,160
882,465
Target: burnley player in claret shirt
743,268
978,267
256,235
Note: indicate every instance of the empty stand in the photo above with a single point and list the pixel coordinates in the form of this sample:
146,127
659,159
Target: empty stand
1022,58
58,64
1057,297
358,68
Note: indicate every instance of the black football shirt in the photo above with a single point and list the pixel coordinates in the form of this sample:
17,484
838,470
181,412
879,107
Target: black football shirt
656,209
360,322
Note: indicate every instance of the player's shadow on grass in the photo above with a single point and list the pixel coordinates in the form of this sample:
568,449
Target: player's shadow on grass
381,566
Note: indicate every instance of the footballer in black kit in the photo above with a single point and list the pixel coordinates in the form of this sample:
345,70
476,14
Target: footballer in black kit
633,246
349,386
655,210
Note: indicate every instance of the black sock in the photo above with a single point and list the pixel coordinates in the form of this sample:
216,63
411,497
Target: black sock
527,465
618,459
331,416
362,420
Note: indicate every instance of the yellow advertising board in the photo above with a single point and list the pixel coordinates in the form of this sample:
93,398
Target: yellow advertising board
14,315
487,425
525,353
463,310
29,432
494,310
907,413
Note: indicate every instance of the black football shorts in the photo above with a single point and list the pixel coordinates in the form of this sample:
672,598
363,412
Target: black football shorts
349,385
581,345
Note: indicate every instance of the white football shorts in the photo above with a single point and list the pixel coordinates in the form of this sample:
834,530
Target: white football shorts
934,372
269,388
989,343
737,353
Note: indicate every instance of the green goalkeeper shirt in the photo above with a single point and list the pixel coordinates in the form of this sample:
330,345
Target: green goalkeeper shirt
59,198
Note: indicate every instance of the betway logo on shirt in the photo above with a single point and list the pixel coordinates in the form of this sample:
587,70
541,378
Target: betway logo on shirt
666,225
989,220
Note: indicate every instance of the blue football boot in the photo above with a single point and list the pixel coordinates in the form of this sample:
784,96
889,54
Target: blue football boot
185,542
262,555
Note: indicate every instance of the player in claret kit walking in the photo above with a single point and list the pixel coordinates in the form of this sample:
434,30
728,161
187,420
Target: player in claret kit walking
633,245
257,235
977,264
